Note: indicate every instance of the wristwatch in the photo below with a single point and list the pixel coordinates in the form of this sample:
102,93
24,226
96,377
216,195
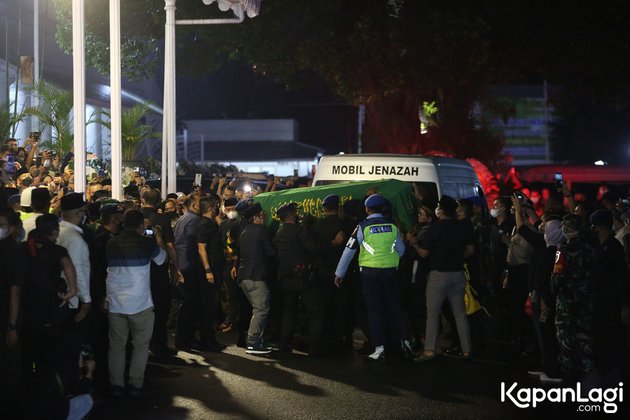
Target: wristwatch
208,270
11,327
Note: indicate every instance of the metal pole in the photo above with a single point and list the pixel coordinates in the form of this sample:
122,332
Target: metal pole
34,97
170,109
78,71
546,126
115,98
360,128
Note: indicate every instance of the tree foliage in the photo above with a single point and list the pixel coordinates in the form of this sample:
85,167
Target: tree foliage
393,55
54,111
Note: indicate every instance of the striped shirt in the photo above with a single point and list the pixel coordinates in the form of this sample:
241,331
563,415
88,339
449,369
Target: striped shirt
129,257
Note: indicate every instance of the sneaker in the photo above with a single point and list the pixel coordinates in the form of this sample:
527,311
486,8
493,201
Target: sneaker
406,351
547,380
257,350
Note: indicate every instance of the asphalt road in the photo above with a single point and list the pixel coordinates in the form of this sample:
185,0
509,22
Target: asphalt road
234,385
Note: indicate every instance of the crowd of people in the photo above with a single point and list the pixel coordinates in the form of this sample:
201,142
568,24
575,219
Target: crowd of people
84,275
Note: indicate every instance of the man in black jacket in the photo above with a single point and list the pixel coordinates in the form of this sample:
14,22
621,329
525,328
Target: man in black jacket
295,250
255,248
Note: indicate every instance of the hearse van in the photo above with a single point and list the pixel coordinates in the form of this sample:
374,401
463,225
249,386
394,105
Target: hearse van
432,176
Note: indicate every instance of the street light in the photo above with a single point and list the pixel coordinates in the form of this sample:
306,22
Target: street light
169,135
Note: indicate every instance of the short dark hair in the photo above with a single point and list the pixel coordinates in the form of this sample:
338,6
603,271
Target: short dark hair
133,219
151,197
13,218
46,224
208,202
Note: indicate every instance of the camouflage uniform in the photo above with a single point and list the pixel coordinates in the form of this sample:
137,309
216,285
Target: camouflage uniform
571,282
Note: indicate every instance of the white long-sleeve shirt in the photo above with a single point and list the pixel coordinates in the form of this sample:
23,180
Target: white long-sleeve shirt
71,238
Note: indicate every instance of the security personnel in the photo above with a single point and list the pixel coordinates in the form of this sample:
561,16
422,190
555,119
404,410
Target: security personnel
295,249
330,237
381,247
571,281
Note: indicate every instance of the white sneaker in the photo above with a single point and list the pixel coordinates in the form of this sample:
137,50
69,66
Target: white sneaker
544,379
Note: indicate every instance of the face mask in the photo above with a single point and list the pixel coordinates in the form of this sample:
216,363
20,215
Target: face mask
553,233
494,212
232,214
83,219
4,233
437,213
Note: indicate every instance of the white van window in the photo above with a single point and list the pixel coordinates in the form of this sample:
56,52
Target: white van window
459,190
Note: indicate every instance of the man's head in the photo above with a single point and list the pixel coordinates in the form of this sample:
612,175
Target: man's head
10,223
601,222
446,208
112,215
94,186
254,214
229,191
464,209
40,200
501,207
48,226
73,208
25,199
229,208
170,206
331,204
192,203
13,145
374,204
287,213
134,220
209,206
151,197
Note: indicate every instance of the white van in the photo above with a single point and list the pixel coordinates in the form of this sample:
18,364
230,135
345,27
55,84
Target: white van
433,176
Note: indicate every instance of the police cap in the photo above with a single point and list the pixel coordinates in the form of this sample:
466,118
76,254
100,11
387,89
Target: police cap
375,201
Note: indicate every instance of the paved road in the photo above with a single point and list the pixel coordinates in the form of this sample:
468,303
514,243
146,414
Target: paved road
233,385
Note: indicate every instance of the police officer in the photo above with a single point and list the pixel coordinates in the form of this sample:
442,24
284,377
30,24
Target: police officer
295,249
330,237
381,247
571,281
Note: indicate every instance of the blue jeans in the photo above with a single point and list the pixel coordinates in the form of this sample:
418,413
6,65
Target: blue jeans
257,294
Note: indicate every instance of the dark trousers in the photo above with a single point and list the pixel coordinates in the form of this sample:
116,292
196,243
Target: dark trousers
293,290
161,294
382,298
338,308
210,300
232,289
520,325
190,311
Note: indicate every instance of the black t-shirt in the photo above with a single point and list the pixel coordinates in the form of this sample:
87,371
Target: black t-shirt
208,233
42,283
161,220
446,241
11,274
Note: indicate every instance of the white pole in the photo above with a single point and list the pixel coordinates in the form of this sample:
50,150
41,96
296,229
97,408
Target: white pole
115,97
170,110
78,71
34,98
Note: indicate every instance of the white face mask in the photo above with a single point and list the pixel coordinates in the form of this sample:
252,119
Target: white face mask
494,213
4,233
437,213
232,214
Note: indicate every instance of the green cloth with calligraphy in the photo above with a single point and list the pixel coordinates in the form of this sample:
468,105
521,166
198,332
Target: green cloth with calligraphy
309,200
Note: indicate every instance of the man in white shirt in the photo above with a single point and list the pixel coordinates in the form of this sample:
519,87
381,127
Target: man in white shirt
71,238
40,203
129,257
